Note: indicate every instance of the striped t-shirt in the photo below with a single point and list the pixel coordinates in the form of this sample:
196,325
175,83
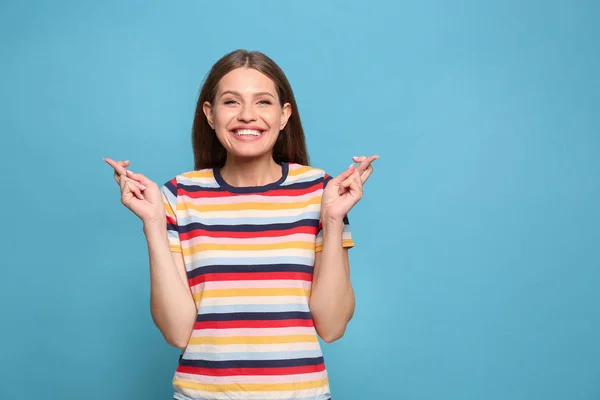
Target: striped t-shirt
249,254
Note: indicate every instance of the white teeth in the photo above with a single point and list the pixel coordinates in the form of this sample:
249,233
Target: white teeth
247,132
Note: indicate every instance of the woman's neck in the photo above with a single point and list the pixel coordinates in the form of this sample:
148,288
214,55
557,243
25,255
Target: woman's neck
240,172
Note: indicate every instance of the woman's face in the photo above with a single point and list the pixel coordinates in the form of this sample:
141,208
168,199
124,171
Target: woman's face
246,115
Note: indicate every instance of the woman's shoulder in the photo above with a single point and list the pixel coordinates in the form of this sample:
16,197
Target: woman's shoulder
300,168
193,177
299,171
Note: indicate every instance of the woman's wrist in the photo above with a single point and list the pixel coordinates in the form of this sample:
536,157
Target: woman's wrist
331,223
154,225
333,230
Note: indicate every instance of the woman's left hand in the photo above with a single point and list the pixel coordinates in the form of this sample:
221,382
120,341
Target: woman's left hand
345,190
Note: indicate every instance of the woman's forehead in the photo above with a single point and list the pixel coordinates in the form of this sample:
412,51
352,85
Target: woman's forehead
245,81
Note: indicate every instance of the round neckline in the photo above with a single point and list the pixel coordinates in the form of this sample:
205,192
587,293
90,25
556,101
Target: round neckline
250,189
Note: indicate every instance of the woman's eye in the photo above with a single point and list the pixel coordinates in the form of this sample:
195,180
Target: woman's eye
265,102
230,101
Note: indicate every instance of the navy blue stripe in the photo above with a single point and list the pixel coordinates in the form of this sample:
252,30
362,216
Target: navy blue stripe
171,187
285,167
253,316
310,222
226,269
297,362
303,185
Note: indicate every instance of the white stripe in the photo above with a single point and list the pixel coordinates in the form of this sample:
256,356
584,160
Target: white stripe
268,219
198,261
252,348
297,394
254,308
197,181
253,213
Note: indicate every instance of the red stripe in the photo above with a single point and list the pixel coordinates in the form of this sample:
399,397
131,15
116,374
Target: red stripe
275,192
285,323
205,193
294,192
250,276
247,235
251,371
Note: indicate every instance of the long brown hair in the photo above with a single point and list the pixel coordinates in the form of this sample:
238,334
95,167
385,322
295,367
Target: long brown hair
208,151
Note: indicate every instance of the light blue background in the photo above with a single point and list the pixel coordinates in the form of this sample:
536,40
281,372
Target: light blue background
477,263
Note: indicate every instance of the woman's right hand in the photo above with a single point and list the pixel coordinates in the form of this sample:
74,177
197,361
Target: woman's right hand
138,193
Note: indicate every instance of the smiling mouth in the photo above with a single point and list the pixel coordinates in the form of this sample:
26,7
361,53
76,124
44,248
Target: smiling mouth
248,132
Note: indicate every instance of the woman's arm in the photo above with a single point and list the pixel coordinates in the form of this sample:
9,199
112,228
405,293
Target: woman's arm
332,297
171,302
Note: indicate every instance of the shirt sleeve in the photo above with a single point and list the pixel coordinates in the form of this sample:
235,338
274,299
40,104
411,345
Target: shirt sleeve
347,241
169,194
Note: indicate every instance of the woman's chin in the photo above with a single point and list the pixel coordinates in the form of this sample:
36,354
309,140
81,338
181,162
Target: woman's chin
250,153
250,149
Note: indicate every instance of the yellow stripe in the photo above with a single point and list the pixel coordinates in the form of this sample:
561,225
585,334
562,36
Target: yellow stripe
168,209
346,243
225,340
250,387
198,174
251,292
188,251
175,248
248,206
249,247
300,171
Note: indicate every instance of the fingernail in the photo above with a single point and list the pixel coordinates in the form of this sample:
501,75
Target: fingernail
351,165
143,187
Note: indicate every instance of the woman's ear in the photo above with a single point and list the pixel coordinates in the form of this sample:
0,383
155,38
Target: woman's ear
286,113
208,112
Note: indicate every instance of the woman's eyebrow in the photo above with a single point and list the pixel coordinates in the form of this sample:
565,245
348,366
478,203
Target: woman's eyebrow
233,92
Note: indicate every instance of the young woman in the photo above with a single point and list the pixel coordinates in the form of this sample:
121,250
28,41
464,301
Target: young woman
252,262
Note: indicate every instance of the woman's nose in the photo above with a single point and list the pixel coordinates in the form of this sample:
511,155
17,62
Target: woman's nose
247,113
